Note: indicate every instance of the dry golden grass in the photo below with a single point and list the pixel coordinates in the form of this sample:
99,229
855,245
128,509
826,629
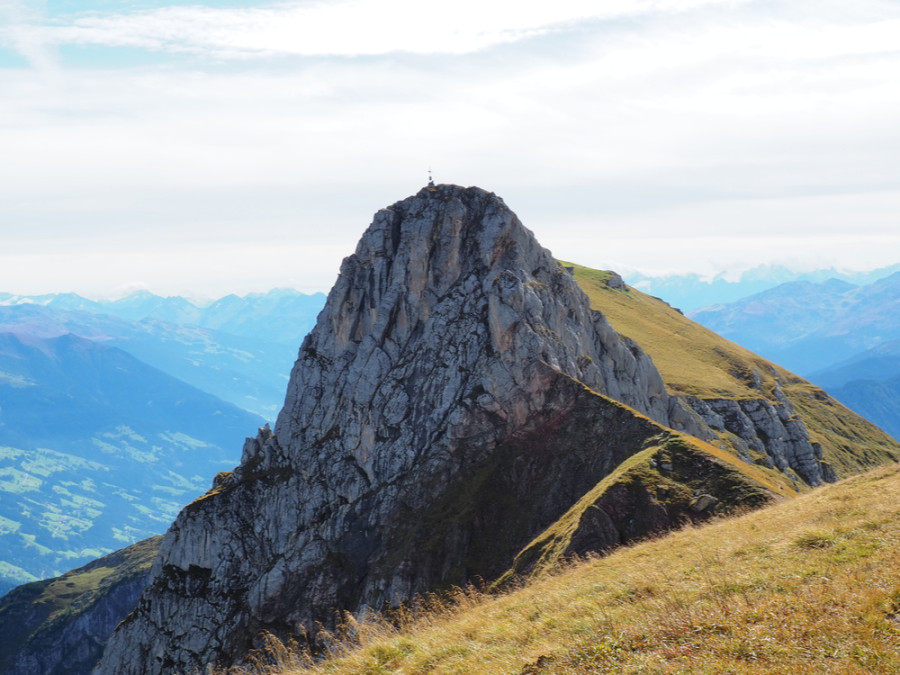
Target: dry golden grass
805,586
692,359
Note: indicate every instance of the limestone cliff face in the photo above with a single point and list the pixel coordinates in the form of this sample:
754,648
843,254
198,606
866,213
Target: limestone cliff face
770,428
455,397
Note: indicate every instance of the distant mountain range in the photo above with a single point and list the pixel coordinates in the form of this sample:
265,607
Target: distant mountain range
808,327
691,292
843,337
879,363
869,383
281,315
239,349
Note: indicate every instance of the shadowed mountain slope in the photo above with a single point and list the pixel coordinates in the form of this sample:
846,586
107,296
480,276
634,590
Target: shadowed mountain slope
59,626
806,586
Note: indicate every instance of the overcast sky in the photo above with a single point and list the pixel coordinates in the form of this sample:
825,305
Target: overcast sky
233,146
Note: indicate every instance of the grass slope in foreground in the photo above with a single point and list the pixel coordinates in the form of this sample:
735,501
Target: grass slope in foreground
694,361
808,585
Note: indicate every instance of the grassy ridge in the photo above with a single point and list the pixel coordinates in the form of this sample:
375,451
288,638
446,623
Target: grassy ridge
38,612
642,488
694,361
809,585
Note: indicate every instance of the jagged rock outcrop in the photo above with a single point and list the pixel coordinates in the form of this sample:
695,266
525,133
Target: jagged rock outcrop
456,396
771,429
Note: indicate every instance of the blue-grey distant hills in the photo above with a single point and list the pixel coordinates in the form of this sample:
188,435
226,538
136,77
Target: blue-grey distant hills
239,348
281,315
98,450
879,363
870,382
691,292
843,337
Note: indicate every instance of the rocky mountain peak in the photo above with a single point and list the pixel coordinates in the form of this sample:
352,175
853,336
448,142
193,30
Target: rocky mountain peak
447,308
456,396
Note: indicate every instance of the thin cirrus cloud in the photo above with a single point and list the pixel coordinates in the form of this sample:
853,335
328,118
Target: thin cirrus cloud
348,28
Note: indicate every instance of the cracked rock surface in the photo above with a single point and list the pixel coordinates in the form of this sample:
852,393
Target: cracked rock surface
770,427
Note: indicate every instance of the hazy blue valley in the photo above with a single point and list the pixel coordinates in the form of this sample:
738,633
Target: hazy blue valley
115,415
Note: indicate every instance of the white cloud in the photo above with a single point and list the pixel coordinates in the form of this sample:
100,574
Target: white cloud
18,19
344,27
